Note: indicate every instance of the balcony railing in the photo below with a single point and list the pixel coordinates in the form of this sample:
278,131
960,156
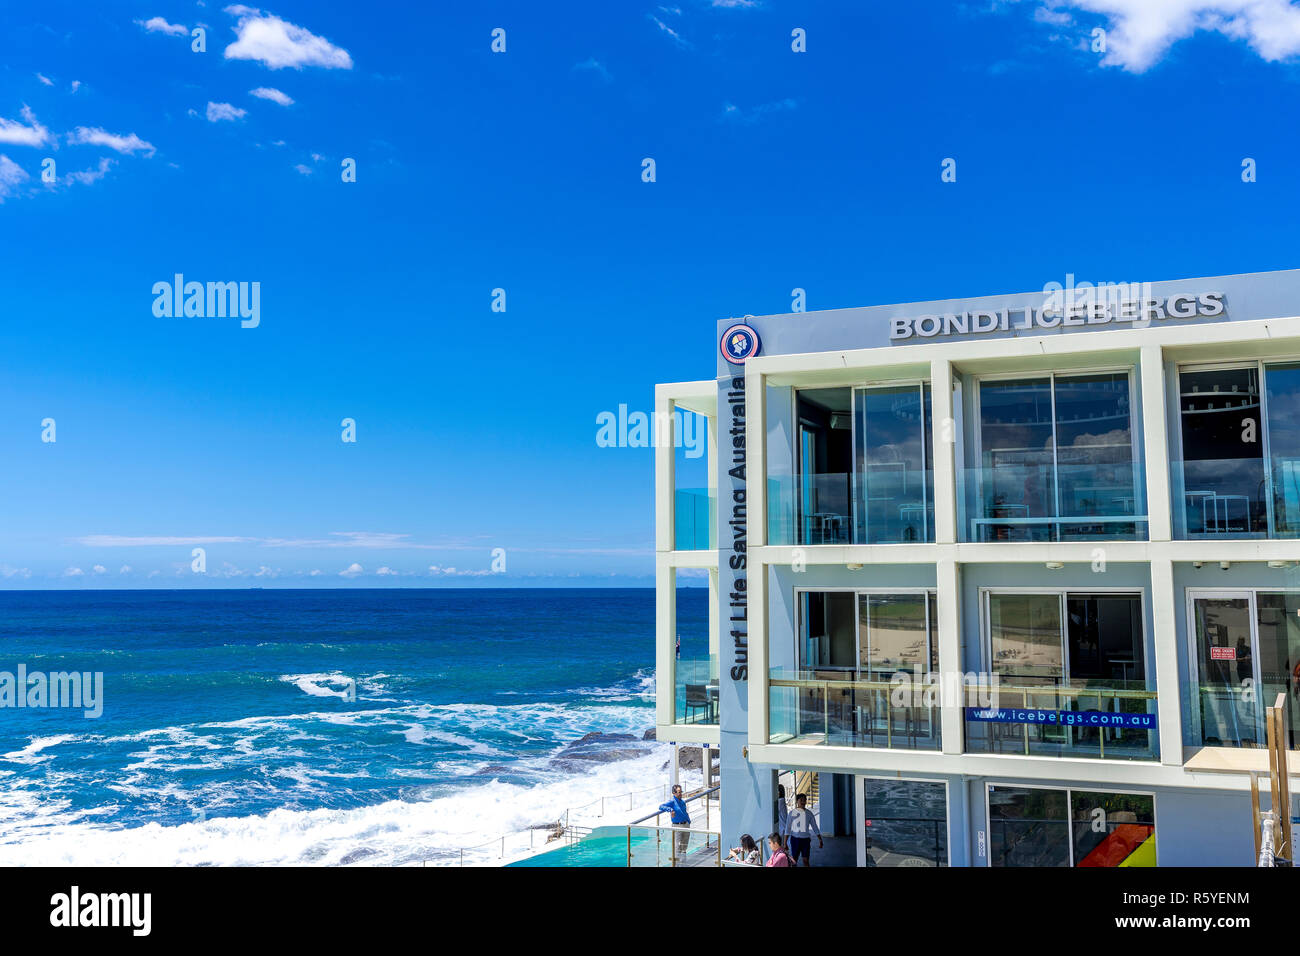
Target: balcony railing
696,700
1237,498
1111,721
694,519
1035,501
810,708
823,509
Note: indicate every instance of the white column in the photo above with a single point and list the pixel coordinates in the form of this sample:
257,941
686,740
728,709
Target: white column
948,601
1164,630
664,477
672,771
1155,443
944,444
665,644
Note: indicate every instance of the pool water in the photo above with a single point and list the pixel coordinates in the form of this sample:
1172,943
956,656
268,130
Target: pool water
607,846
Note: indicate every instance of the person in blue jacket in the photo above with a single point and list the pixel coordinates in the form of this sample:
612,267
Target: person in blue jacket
679,818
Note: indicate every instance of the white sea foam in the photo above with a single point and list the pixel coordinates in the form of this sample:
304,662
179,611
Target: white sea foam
321,685
32,752
392,832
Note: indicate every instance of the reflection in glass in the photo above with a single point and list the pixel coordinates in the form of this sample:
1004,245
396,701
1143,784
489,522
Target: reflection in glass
905,822
1226,668
1283,390
893,635
1025,638
1278,616
1028,827
1223,453
1017,452
1094,452
1113,829
895,477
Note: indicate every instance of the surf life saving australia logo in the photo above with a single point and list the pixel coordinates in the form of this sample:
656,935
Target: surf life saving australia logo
738,343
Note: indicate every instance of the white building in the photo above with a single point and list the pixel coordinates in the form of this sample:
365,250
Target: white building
1014,575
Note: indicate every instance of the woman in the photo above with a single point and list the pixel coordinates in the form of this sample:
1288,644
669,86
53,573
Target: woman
778,857
747,852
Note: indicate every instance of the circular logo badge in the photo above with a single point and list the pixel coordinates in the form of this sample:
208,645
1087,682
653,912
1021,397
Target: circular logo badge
739,343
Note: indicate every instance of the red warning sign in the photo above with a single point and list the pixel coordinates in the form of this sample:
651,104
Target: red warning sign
1223,653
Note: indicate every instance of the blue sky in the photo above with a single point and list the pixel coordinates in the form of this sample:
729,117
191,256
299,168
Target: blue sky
522,171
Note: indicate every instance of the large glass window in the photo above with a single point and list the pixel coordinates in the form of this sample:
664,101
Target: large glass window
1247,652
894,473
1240,468
1071,675
1283,393
851,648
1031,826
825,465
905,822
1057,459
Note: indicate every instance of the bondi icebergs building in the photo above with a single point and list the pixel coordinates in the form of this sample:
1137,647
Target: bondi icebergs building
1000,581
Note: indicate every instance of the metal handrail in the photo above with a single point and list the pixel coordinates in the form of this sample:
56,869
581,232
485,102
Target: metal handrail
675,829
562,828
1064,690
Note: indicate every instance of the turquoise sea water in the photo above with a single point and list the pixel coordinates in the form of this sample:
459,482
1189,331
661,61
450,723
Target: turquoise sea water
319,726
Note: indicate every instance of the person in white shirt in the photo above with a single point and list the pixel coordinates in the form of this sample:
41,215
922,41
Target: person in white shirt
802,827
782,815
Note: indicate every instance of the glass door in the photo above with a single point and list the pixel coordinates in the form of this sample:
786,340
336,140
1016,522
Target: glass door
1227,669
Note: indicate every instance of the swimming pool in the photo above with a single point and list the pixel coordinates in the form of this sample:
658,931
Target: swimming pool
607,846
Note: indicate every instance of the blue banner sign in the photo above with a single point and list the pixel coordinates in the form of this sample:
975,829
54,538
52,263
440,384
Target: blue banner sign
1061,718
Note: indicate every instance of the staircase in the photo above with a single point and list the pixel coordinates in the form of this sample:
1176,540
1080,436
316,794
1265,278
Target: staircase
806,781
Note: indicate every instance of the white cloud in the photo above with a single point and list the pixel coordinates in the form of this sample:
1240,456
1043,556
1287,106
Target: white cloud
159,25
94,136
217,112
272,94
386,571
277,43
124,569
8,572
150,541
352,570
732,112
45,79
99,569
32,134
316,572
1140,32
734,3
87,176
74,573
591,64
677,37
74,86
11,177
305,170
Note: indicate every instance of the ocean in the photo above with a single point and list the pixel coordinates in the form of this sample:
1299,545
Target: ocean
324,727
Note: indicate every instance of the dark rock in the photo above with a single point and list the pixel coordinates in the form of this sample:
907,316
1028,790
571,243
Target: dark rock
598,748
358,854
649,735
